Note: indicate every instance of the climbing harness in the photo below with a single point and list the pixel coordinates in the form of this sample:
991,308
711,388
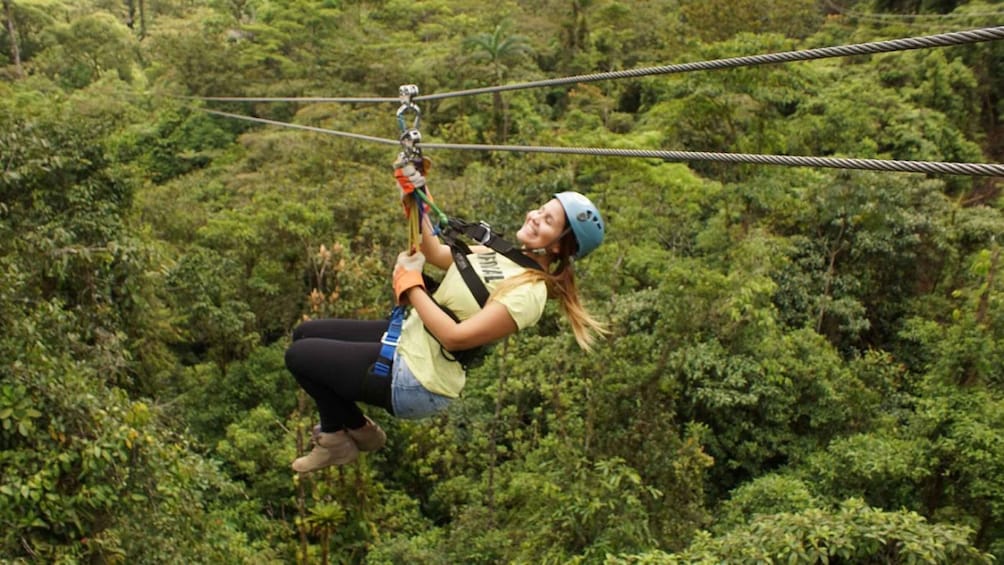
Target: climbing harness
416,202
482,234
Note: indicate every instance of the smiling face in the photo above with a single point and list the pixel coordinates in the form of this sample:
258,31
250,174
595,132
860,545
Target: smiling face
543,227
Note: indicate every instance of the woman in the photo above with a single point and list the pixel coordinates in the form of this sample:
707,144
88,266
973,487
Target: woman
331,359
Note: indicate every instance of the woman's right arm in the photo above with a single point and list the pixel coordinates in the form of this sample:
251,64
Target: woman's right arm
436,252
491,323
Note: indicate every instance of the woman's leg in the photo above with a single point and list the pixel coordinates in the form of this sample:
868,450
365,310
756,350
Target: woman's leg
345,330
331,360
332,372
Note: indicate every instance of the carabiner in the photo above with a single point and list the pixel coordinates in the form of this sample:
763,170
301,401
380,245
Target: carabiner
405,93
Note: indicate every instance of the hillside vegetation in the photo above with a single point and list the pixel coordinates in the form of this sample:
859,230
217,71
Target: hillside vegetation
805,365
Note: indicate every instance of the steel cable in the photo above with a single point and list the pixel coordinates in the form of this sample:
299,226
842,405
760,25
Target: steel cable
939,40
939,167
973,169
303,127
290,99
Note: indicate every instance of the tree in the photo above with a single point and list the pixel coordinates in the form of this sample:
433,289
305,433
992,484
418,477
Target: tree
90,471
15,53
575,33
134,7
499,49
86,47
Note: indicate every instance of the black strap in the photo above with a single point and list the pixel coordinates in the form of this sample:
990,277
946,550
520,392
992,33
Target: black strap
460,250
470,276
483,234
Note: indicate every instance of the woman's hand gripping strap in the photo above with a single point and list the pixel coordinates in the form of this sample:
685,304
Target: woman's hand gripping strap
407,274
409,177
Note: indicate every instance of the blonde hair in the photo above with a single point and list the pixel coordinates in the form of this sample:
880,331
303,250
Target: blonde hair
560,283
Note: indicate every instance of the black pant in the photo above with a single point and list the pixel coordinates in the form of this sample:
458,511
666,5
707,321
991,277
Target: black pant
331,360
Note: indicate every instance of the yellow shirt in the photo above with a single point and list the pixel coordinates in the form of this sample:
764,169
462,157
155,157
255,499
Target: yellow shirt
420,349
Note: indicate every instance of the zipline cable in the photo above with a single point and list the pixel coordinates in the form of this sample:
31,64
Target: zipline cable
939,40
349,100
973,169
945,39
941,167
908,43
358,136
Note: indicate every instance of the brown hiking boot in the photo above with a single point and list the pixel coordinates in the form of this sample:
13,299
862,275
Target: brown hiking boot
370,437
335,448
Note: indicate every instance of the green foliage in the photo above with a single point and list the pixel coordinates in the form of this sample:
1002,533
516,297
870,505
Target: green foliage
33,20
577,508
85,476
214,314
964,427
87,47
764,496
885,471
255,449
86,467
179,142
794,19
497,48
853,533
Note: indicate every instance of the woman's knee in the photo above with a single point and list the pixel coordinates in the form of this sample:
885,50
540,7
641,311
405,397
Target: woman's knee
302,330
294,356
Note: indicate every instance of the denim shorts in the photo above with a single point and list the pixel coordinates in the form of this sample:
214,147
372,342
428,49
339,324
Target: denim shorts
409,398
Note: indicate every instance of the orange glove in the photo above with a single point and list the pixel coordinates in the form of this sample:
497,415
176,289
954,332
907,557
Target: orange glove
408,177
408,274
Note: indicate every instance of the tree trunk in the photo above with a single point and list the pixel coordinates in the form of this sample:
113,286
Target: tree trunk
497,118
984,302
830,275
142,19
15,53
301,490
493,436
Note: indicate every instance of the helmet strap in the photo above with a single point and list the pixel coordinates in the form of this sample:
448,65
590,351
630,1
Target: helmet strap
543,250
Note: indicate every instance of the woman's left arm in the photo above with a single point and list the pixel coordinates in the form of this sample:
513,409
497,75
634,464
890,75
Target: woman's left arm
492,323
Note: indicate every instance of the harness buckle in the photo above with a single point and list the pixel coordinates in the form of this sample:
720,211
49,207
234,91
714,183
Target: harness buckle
392,342
488,233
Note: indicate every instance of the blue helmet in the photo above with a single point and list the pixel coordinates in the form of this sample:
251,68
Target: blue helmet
585,221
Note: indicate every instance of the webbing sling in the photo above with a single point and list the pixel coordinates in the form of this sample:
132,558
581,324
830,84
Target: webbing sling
483,234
